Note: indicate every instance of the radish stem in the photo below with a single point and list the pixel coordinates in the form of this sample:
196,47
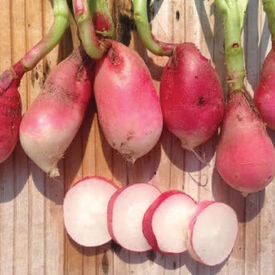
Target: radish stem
33,56
143,28
94,47
233,12
104,24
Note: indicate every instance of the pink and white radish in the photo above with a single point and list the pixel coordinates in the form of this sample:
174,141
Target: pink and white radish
53,119
128,106
125,214
212,232
85,211
10,102
245,155
166,222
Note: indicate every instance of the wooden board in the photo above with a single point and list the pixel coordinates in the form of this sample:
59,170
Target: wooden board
32,237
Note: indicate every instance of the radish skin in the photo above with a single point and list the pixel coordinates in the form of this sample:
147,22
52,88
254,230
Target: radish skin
245,154
125,213
55,116
212,232
166,221
10,113
128,106
85,211
191,97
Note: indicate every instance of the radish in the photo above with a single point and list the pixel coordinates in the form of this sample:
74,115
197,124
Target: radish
212,232
128,106
52,121
245,154
265,94
85,211
166,221
125,213
10,102
190,91
191,97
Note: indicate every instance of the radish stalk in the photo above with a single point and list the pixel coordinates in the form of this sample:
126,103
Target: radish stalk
143,27
245,154
265,94
102,18
10,111
94,47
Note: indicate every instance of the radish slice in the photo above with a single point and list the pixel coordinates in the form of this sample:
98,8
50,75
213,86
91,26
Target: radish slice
165,223
125,213
85,211
212,232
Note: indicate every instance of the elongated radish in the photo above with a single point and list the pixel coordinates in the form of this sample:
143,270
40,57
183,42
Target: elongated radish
85,211
166,221
190,91
212,232
10,102
125,213
128,106
52,121
245,154
265,94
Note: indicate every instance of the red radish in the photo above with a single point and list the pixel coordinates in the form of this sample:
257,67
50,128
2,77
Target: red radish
85,211
191,97
265,94
128,106
125,213
10,113
212,232
245,155
52,121
166,221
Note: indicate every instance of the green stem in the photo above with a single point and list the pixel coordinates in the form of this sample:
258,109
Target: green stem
269,8
61,23
233,12
102,17
92,45
144,31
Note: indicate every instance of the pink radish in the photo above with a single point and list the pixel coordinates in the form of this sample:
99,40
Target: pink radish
125,213
85,211
212,232
52,121
265,94
128,106
245,155
191,97
166,221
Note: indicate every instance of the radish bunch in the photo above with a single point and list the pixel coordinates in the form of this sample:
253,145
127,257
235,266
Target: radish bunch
140,218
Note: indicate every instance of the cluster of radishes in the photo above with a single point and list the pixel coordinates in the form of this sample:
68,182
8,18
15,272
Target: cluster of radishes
140,218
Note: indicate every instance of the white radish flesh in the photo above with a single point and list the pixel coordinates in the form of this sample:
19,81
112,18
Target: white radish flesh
212,232
166,222
125,214
85,211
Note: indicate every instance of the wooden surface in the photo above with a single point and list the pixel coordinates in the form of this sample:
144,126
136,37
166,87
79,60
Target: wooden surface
32,237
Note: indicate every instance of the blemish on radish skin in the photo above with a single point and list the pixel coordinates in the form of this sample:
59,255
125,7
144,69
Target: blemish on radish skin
201,101
178,15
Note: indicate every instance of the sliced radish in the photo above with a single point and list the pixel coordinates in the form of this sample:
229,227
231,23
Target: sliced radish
85,211
166,222
212,232
125,213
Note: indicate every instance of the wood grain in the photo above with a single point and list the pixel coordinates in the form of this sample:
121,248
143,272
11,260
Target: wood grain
32,237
